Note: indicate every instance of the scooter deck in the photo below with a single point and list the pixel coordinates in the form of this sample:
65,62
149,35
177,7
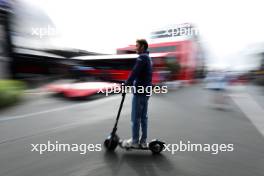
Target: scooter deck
135,148
132,148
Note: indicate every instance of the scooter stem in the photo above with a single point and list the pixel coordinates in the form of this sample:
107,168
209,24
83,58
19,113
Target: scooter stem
118,114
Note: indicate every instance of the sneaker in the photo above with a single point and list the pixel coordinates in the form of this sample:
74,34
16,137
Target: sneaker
144,145
129,144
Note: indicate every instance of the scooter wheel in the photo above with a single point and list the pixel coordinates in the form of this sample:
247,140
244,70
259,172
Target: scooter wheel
111,142
156,147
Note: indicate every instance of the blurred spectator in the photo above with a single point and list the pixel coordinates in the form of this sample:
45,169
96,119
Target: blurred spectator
217,82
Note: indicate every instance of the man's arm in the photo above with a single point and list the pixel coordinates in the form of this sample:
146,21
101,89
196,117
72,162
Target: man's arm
135,71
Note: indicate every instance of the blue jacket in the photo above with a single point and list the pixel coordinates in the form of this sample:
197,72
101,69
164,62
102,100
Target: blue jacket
141,74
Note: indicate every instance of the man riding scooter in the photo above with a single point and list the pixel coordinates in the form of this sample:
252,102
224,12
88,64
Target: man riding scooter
140,76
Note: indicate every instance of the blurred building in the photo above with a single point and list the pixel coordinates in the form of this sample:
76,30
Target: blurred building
262,63
259,74
27,51
5,41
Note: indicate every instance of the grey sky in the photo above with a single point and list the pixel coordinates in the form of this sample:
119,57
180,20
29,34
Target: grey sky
229,29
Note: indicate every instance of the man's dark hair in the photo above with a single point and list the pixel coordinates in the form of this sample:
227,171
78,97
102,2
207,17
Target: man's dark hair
143,42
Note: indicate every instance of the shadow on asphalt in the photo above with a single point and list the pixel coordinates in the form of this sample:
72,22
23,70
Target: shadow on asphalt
142,164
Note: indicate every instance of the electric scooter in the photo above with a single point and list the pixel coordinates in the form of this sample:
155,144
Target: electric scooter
113,140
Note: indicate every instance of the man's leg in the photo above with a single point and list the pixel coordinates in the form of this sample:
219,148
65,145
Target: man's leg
135,118
144,119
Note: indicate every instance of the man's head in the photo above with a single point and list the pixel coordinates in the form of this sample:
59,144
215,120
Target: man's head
141,46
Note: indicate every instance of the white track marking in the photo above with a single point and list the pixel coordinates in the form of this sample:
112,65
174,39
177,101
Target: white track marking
251,109
94,103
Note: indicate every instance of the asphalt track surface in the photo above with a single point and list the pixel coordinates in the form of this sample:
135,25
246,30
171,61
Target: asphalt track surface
183,115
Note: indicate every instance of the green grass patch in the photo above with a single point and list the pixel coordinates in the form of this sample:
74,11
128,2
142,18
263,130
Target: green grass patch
10,91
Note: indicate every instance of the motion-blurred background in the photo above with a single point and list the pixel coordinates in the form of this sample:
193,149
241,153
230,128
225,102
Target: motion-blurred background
210,55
